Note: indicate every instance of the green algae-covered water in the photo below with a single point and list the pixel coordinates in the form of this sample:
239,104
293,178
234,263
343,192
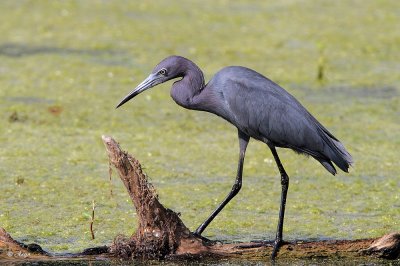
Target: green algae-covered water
64,65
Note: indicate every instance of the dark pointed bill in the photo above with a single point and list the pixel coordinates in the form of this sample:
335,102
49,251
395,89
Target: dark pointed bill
149,82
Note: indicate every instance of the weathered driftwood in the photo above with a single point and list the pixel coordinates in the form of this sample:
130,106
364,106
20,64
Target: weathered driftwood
162,234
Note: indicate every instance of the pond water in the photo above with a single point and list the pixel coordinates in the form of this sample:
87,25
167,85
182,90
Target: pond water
65,65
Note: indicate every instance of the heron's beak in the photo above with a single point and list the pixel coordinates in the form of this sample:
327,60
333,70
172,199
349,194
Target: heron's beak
150,81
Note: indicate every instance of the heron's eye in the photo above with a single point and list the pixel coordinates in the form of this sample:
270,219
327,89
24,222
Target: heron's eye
163,71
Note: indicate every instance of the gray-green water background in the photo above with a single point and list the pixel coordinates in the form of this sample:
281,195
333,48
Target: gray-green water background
65,64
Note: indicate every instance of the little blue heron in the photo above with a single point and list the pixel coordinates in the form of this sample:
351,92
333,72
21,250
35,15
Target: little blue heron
260,109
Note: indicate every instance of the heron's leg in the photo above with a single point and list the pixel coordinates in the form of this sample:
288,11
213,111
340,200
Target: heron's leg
243,141
285,186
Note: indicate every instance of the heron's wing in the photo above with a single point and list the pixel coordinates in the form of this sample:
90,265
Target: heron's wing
267,112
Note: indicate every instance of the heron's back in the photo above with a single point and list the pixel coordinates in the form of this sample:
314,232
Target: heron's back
265,111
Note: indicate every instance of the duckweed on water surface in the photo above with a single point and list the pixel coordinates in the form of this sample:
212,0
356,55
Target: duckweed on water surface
65,64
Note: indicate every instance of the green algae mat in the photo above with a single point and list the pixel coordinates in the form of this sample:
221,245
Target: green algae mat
64,65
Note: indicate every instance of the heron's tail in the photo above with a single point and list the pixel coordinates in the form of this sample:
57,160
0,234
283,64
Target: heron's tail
341,157
335,152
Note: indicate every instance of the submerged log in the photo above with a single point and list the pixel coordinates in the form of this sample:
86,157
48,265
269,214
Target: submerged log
161,234
11,249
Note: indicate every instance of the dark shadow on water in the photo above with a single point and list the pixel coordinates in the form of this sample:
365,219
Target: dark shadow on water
20,50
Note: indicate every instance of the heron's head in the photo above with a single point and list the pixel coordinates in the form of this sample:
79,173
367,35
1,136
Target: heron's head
169,68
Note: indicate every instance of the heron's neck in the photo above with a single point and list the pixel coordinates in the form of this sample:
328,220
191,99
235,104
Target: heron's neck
191,84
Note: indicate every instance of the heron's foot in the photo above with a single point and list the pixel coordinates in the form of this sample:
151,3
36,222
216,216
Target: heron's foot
276,246
197,235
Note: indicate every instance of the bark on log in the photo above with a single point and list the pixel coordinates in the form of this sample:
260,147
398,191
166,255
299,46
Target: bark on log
162,234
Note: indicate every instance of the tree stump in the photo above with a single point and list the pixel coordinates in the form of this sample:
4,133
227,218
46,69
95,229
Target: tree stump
160,231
